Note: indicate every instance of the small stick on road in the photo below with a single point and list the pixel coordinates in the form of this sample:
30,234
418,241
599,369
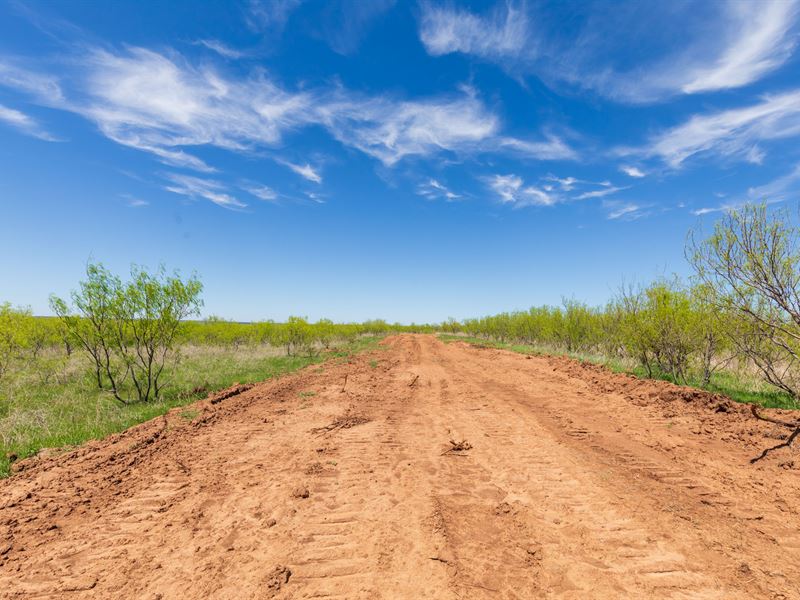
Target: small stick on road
413,381
344,385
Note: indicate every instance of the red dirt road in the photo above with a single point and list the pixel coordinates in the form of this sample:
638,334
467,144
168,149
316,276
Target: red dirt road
578,484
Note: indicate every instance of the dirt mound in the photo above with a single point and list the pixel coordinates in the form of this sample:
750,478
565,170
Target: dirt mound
230,392
581,483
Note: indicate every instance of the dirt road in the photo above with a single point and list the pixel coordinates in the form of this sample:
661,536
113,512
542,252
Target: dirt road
578,484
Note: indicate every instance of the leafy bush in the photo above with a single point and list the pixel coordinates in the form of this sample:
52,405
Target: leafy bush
130,330
750,270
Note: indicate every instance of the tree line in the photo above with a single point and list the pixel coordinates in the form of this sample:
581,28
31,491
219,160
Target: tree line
132,330
741,304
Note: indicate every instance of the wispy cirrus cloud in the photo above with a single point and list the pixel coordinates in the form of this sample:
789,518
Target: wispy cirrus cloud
734,45
344,23
43,87
759,40
264,16
551,147
305,171
222,49
512,189
606,190
390,130
631,171
569,183
24,123
732,133
626,211
161,103
501,33
208,189
433,189
134,202
721,45
144,99
260,191
779,189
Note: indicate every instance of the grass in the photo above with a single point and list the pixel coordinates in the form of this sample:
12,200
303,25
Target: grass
52,402
740,387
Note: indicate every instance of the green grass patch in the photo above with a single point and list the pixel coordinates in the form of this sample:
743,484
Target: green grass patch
739,387
189,414
52,402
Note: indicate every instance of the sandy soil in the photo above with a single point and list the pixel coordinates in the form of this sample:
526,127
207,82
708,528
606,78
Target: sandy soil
572,483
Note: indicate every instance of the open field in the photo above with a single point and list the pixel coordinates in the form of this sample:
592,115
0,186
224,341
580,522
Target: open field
417,470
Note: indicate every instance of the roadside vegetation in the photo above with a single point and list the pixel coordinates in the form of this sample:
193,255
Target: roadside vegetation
120,351
734,328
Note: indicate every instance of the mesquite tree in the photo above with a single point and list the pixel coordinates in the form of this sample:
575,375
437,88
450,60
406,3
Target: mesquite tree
750,266
129,329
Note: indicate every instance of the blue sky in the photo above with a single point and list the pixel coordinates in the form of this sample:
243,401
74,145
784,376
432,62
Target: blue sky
404,160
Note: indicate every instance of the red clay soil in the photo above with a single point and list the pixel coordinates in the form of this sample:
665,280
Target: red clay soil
444,471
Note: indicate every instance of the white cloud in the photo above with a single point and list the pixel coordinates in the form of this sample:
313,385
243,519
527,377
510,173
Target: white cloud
511,189
759,42
44,88
755,155
390,131
269,15
316,197
566,183
606,191
195,187
777,190
682,48
134,202
222,49
446,29
707,210
506,186
723,45
306,171
433,189
627,211
632,171
262,192
148,101
731,132
552,148
344,23
162,104
24,123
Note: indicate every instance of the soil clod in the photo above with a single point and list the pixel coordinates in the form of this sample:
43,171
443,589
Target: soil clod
300,492
278,577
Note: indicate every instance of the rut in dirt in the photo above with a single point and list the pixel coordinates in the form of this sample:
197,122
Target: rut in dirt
435,471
